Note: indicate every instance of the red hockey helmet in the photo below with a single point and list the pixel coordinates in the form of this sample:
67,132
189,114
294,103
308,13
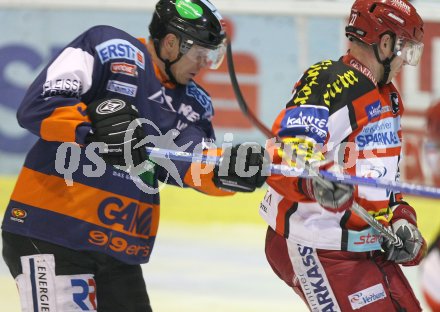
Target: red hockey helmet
371,19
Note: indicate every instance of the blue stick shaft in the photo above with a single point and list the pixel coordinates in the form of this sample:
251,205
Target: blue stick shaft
407,188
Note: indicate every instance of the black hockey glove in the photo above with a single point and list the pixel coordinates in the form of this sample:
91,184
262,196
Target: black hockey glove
404,224
111,120
242,168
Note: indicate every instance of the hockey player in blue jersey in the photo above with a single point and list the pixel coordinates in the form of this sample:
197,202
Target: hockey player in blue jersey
76,243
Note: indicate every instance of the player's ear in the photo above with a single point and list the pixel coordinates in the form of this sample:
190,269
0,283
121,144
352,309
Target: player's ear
386,45
170,45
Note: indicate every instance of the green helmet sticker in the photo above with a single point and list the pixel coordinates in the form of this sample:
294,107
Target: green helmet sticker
188,10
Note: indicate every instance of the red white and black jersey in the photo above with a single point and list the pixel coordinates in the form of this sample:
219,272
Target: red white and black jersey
339,105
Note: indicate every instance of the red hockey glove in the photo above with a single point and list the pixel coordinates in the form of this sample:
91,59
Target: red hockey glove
335,197
404,224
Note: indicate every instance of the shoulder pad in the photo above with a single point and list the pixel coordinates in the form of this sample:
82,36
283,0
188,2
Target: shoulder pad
326,82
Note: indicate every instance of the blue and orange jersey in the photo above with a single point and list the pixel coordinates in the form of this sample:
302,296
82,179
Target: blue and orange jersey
106,213
339,112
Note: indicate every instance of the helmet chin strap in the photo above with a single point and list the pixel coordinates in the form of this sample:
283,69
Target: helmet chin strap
386,65
167,63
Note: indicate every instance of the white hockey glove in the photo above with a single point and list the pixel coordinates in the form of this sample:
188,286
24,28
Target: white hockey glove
334,197
404,224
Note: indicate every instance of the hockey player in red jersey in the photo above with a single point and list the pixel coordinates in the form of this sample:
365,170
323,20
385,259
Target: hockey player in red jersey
345,115
430,267
74,241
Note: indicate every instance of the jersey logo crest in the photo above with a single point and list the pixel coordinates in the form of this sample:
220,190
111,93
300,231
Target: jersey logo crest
395,102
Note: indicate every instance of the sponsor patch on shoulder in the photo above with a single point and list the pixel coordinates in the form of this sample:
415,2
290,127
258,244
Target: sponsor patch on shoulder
373,110
204,100
367,296
310,120
119,49
124,68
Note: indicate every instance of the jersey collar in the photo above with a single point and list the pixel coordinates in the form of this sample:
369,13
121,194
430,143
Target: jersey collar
351,61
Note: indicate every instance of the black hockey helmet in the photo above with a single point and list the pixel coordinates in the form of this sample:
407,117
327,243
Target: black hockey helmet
195,21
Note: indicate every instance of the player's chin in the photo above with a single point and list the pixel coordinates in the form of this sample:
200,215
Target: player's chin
184,80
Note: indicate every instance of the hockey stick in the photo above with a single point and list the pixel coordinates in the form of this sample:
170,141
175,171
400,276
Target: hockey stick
408,188
275,169
359,210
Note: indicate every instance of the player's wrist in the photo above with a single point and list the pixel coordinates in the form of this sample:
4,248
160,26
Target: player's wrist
402,210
